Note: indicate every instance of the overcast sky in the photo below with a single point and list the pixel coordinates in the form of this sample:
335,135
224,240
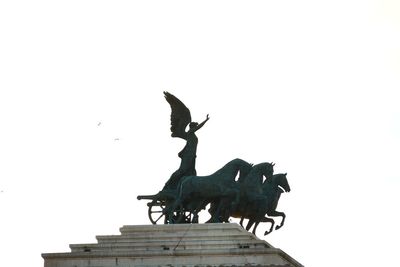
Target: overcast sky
310,85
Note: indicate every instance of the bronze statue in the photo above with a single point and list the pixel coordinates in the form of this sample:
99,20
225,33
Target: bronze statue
217,188
180,119
185,194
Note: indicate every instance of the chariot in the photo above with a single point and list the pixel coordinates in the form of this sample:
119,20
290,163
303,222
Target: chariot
238,189
159,208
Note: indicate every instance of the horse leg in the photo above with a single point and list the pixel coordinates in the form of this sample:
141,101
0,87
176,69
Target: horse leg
278,213
223,210
242,211
266,219
196,212
228,207
255,227
173,208
250,224
195,217
241,221
217,214
170,211
212,208
214,211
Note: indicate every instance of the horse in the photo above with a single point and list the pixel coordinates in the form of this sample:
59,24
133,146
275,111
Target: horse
272,190
251,184
216,188
251,189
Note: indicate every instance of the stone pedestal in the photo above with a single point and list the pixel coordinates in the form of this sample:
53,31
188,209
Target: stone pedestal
179,245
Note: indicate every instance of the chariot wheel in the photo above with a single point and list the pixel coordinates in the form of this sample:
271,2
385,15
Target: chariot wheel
156,212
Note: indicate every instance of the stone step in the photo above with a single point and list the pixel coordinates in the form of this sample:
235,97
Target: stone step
188,229
211,253
168,245
215,227
178,232
171,237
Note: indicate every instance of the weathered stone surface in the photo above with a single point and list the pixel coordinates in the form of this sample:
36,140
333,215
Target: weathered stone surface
178,245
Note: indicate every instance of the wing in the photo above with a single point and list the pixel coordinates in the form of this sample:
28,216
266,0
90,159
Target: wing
180,116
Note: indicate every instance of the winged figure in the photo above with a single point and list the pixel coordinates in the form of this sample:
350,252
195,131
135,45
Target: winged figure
180,119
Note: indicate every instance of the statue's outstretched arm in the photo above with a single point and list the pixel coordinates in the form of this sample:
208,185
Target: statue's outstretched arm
201,124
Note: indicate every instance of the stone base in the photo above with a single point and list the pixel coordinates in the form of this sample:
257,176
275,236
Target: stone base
178,245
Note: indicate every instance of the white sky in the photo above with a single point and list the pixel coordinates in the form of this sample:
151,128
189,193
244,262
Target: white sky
310,85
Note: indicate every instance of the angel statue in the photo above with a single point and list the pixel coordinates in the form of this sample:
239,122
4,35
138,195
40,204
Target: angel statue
180,119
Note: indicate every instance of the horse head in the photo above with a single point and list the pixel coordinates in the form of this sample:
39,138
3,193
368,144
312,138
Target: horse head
281,180
255,176
266,168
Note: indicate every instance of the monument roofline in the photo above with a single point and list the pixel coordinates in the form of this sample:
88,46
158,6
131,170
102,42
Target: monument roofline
178,245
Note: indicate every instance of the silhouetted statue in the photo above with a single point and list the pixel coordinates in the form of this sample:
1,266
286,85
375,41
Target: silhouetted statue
180,119
238,189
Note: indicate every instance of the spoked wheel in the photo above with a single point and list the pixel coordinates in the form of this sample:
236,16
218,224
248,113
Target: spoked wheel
156,212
